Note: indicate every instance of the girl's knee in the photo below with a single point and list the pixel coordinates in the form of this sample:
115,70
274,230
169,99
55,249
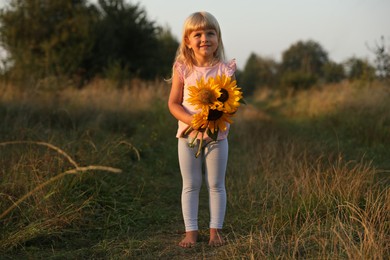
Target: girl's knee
191,187
217,187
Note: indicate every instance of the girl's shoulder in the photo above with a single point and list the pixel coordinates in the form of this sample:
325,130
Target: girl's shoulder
179,66
181,69
229,67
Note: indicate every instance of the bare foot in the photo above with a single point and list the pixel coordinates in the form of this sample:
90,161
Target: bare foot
216,238
190,239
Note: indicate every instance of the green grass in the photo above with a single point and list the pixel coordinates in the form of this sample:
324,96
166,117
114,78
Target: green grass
307,176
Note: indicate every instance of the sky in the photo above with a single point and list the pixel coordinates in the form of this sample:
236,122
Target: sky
344,28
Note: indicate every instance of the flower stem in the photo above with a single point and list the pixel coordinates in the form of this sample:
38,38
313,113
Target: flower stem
187,131
191,144
200,146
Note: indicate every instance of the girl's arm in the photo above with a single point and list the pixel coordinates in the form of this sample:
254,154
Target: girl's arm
175,100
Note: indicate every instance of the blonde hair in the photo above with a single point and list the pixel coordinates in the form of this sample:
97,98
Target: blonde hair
198,21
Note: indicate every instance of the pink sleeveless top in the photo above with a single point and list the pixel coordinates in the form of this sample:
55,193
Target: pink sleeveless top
189,78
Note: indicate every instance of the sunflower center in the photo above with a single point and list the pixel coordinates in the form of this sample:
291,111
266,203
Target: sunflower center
214,115
224,95
206,96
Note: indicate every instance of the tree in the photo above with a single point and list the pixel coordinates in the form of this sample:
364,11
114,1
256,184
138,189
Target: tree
302,64
166,52
382,59
45,38
72,39
333,72
358,69
126,38
258,72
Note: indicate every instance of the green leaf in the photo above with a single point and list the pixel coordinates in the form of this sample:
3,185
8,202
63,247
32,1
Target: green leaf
212,135
242,101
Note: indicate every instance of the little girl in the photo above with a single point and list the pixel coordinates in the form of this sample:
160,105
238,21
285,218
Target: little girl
200,55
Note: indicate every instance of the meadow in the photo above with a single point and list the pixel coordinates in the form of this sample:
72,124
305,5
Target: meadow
92,173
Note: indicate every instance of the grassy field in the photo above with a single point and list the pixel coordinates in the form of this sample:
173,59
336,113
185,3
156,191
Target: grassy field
93,173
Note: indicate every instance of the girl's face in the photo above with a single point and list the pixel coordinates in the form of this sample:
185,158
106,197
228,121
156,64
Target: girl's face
204,43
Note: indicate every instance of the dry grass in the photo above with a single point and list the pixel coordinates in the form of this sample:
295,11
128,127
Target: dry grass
50,220
98,94
327,99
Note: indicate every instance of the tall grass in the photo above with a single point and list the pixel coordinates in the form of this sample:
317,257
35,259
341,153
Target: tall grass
308,175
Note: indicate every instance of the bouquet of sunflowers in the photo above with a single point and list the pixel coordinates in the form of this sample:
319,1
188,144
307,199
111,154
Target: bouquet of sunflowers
217,100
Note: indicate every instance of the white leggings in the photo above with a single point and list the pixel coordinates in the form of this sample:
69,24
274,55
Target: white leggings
214,159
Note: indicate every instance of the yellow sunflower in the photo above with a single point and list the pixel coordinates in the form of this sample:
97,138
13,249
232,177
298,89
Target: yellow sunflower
214,120
204,95
217,121
230,94
199,120
217,100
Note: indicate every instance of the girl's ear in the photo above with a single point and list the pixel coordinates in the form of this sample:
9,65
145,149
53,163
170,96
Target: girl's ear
187,42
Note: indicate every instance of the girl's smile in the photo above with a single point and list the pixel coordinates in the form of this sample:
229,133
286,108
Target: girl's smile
203,43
